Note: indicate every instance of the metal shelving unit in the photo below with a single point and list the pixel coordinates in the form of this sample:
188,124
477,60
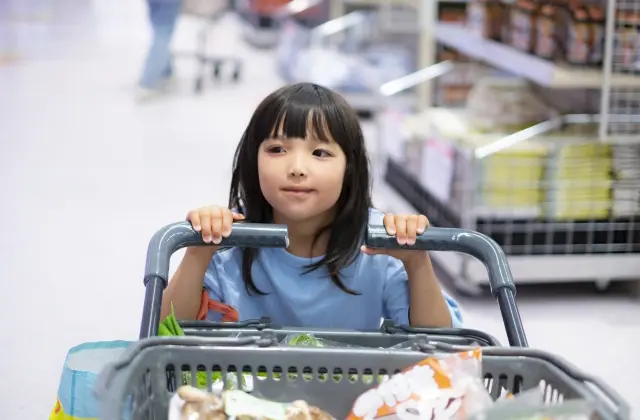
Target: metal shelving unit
542,72
564,208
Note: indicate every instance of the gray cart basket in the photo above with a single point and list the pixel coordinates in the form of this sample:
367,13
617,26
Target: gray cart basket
179,235
137,386
373,339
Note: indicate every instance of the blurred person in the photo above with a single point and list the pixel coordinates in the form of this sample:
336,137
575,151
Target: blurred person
158,68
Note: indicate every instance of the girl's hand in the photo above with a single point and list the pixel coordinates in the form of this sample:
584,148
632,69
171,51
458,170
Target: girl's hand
405,228
214,222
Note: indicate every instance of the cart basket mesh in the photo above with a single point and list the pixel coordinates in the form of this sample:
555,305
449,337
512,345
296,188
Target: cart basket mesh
140,385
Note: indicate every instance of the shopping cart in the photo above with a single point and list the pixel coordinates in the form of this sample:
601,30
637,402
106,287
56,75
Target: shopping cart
140,385
173,237
211,11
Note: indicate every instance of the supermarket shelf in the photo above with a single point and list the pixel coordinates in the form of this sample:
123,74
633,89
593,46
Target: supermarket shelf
357,3
549,269
536,69
401,193
526,237
374,103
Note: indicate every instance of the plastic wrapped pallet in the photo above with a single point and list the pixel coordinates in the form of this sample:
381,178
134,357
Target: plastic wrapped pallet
506,184
499,104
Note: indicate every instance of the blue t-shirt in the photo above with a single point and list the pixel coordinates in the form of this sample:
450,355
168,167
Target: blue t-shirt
312,300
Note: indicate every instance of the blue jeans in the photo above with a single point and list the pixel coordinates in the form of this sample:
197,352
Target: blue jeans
163,15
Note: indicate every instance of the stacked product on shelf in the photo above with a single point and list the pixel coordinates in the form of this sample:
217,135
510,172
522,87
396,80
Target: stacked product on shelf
510,182
562,175
628,39
570,31
581,177
626,187
451,89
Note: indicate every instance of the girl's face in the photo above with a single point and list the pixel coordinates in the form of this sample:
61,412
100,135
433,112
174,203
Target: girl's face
300,178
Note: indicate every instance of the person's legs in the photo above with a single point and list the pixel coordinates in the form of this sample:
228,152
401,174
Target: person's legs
163,15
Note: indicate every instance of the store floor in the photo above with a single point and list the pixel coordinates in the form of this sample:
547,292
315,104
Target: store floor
88,174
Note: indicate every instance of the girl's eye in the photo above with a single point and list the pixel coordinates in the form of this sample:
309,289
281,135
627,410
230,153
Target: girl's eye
321,153
276,149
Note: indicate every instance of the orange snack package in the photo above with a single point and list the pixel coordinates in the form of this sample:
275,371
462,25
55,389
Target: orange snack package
436,388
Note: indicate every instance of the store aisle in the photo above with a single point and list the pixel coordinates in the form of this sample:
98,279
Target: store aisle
87,175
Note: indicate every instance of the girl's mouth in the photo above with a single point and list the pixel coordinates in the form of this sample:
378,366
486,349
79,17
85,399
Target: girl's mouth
297,191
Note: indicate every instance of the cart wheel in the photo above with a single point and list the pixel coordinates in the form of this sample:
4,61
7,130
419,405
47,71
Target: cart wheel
216,70
198,86
236,75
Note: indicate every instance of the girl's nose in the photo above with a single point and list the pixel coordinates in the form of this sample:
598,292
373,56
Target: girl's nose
298,167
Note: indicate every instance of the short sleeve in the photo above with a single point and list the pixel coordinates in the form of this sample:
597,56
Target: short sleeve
212,281
396,293
396,297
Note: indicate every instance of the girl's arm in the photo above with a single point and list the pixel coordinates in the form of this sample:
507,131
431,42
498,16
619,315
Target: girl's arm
428,307
412,295
184,291
412,273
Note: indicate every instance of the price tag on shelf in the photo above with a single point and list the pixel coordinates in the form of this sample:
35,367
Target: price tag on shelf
437,168
393,134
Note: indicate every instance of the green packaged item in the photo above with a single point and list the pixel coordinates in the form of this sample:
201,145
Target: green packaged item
169,327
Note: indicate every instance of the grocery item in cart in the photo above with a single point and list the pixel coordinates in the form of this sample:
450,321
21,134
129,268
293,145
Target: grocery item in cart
445,388
439,387
190,403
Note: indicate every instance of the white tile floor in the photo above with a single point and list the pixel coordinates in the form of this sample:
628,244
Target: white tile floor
87,175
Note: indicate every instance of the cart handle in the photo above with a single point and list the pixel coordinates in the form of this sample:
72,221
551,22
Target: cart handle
389,327
258,324
173,237
179,235
477,245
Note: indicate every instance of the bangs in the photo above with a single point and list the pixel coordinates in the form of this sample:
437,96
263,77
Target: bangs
305,111
302,123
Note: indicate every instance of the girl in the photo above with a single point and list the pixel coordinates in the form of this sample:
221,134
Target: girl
302,162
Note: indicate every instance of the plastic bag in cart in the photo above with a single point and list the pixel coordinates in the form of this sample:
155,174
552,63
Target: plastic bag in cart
310,340
448,387
530,406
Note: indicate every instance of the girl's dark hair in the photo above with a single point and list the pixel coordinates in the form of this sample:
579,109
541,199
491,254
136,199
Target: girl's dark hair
299,111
